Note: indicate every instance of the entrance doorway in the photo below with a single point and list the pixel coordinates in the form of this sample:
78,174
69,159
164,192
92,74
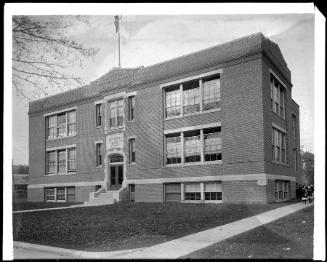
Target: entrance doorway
116,171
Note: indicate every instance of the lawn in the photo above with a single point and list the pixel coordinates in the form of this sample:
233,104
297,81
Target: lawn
290,237
40,205
125,226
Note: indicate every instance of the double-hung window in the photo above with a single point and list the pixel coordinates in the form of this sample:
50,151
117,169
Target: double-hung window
131,149
131,108
212,144
277,96
173,101
192,191
60,194
278,146
191,97
52,127
71,159
62,161
71,120
173,149
211,93
98,115
98,149
116,114
294,126
61,125
51,156
192,146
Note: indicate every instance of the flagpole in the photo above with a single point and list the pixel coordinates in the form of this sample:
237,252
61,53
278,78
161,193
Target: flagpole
118,43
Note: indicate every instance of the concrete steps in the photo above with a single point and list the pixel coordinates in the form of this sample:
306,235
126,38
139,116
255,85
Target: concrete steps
105,198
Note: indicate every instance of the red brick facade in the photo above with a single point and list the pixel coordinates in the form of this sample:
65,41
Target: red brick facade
246,172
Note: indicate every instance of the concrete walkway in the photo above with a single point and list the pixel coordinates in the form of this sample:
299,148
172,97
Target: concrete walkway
51,208
175,248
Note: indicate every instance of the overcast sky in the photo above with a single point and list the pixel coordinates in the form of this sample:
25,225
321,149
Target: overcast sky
146,40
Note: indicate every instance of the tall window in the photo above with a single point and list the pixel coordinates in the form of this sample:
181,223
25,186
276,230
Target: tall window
62,161
71,120
98,115
52,127
116,113
173,101
61,125
282,190
192,146
98,149
173,149
212,144
278,146
71,159
277,96
51,156
191,97
131,108
131,149
211,93
294,126
295,159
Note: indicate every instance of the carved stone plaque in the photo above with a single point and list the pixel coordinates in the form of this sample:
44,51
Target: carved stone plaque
115,141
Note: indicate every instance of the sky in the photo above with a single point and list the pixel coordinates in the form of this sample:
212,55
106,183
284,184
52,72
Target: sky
149,39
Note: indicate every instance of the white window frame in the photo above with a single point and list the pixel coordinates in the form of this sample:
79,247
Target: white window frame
54,115
55,150
96,153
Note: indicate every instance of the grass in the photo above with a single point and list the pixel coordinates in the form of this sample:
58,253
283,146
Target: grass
40,205
125,226
290,237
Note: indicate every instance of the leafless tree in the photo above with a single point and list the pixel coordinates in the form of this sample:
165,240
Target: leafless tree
44,54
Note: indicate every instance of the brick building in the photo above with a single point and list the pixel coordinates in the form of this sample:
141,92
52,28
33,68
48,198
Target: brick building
218,125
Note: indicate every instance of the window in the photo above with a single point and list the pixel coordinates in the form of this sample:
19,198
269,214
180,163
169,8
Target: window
173,101
52,127
51,156
60,194
278,146
62,161
282,190
71,159
191,92
192,146
295,159
71,119
294,126
61,125
212,191
212,144
277,96
131,108
98,153
211,93
131,149
191,97
98,115
116,114
173,192
57,162
192,191
50,194
173,149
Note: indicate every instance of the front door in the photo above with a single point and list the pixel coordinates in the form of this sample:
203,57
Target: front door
116,176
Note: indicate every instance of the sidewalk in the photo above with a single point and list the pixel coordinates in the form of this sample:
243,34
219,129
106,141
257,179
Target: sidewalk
175,248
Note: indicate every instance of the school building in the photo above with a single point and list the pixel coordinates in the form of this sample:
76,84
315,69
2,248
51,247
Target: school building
218,126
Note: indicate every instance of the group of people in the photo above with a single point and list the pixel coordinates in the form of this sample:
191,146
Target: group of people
305,193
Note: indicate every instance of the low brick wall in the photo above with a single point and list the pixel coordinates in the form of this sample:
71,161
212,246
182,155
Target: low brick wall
149,193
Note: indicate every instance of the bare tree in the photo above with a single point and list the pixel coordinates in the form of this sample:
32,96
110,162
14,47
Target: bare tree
44,54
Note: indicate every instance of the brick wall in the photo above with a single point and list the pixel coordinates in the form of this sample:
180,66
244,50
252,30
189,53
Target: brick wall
243,192
149,193
35,194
